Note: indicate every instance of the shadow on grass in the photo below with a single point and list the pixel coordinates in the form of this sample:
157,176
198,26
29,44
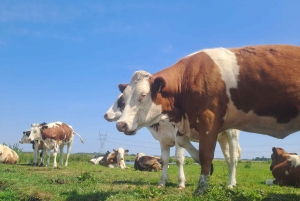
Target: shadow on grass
282,197
74,196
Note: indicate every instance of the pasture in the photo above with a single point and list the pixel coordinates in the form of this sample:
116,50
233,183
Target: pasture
84,181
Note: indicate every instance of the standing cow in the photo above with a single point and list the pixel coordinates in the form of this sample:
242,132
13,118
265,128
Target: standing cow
37,145
254,89
54,135
7,155
165,132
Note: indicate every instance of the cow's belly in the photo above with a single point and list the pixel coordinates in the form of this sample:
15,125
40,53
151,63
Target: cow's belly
251,122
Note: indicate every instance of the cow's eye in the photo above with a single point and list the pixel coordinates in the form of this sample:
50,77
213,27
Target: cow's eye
142,96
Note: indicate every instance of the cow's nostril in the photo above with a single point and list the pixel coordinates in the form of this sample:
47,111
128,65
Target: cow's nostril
121,126
105,116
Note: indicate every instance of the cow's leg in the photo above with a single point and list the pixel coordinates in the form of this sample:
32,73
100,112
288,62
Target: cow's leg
165,154
42,157
61,151
35,153
69,146
183,141
208,132
55,155
228,141
48,154
179,157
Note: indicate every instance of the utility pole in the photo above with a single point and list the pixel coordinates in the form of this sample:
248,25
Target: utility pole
102,138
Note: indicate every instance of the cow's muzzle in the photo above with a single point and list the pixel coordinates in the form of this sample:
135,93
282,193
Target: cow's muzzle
123,127
107,118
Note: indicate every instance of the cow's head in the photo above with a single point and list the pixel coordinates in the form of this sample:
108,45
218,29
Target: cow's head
278,156
35,132
25,137
115,111
120,153
140,110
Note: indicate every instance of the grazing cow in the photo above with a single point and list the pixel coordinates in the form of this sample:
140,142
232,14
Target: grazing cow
115,159
7,155
54,135
37,145
147,163
285,167
165,132
96,159
255,89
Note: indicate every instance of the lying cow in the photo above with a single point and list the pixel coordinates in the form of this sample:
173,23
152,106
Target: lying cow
253,89
285,167
96,159
147,163
165,132
37,145
54,135
7,155
115,159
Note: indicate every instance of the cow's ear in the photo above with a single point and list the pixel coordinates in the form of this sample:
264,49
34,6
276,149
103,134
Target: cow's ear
158,85
126,151
44,127
114,150
274,149
122,87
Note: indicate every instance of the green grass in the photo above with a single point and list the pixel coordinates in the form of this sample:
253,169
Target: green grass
84,181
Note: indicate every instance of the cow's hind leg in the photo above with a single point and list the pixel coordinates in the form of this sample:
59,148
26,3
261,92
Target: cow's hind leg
179,158
69,146
165,154
61,152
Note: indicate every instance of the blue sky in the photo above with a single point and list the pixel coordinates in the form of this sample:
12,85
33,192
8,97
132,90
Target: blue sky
63,60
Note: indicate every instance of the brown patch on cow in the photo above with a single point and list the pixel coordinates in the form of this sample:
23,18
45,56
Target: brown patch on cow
191,86
263,86
59,132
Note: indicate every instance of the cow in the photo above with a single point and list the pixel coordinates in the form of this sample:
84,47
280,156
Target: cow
147,163
254,89
285,167
96,159
7,155
165,132
37,145
115,158
54,135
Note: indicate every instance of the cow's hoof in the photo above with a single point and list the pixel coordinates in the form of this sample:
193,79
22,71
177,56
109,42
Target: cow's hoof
180,187
199,191
160,185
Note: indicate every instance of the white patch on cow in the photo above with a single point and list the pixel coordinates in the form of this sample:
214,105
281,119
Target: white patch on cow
286,172
54,124
207,132
295,160
227,62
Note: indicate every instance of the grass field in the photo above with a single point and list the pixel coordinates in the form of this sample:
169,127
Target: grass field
84,181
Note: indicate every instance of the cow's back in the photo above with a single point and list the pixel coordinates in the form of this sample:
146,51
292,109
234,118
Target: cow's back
8,155
59,132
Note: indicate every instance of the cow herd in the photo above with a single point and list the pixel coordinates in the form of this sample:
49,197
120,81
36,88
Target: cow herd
205,97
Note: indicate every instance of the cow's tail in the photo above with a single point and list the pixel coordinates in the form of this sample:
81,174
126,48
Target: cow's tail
79,137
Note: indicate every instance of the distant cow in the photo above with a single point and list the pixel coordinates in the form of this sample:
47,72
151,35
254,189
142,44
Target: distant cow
147,163
37,145
114,159
96,159
254,89
285,167
7,155
54,135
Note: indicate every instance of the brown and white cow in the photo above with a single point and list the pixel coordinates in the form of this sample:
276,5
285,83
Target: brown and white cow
54,135
285,167
254,89
147,163
115,159
7,155
37,145
165,132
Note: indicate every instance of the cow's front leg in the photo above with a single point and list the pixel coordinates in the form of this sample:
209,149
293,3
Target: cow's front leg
179,157
55,155
61,151
165,154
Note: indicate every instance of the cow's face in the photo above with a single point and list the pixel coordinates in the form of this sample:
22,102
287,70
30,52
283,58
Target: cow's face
278,156
120,153
140,110
115,111
35,132
25,138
